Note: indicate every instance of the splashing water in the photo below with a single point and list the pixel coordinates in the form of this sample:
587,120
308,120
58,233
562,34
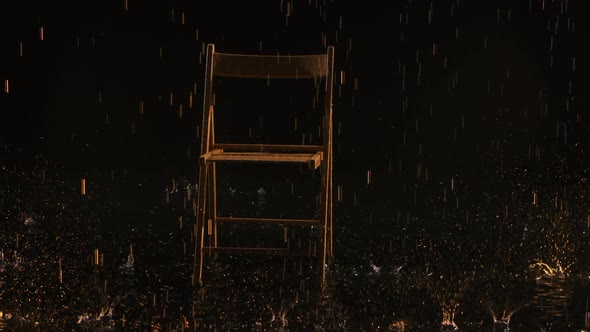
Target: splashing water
261,202
502,321
557,269
103,321
128,266
448,321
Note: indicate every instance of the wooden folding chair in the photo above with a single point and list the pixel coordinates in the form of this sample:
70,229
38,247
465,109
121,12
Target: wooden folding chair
264,67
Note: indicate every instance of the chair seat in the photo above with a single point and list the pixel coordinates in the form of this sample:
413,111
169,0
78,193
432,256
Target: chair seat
259,251
312,159
283,221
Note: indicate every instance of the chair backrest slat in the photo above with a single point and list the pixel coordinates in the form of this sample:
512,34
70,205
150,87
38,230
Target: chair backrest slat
270,66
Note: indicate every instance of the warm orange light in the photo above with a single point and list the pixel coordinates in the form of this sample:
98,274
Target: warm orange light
83,187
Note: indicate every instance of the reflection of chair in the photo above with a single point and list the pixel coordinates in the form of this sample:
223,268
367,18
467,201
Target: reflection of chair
295,67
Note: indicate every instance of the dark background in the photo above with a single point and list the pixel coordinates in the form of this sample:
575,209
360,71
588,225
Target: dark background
468,118
505,87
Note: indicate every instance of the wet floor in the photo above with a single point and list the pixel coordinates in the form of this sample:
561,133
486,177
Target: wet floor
120,258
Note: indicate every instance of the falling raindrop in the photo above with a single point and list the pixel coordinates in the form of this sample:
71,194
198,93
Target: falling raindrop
574,64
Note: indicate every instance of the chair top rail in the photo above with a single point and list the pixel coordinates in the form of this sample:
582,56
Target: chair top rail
270,66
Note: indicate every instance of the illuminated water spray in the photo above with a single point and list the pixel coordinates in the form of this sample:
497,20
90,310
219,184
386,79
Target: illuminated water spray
502,317
557,252
447,290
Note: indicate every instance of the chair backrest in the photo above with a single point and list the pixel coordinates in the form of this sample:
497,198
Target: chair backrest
270,66
313,66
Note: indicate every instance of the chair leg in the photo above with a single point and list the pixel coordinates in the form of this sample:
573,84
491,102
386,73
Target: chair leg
324,220
202,200
213,201
330,206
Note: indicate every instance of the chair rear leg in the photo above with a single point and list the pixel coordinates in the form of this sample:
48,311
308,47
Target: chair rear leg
202,200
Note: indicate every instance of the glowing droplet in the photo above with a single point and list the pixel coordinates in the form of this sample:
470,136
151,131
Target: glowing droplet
60,272
574,64
83,187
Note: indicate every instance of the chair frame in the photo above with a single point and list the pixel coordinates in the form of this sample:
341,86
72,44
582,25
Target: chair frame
263,67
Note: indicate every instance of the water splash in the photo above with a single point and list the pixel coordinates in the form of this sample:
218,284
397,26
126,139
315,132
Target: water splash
449,311
103,321
261,201
398,326
128,267
555,269
279,319
503,317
